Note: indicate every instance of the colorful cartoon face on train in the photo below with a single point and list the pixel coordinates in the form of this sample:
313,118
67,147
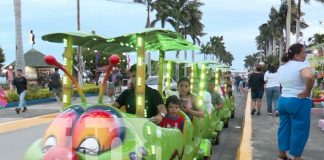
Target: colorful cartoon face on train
75,131
100,132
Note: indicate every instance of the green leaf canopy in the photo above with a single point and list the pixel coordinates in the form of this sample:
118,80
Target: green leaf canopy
155,40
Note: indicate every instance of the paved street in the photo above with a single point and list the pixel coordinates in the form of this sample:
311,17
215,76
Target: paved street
264,134
14,144
39,109
231,137
21,139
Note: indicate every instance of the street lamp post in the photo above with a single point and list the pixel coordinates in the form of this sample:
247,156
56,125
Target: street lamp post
288,23
79,51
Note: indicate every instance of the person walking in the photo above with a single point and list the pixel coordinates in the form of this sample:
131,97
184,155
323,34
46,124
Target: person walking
3,97
20,82
256,83
55,81
271,79
297,79
237,82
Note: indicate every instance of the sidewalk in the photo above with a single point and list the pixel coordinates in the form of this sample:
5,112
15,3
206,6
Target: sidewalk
9,114
264,137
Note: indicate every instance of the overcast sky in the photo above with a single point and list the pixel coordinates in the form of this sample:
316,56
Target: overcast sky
237,23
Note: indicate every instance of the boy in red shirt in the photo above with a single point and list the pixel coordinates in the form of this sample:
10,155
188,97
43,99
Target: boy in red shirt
172,119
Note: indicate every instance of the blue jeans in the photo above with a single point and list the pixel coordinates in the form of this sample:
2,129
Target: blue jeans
294,124
22,102
272,94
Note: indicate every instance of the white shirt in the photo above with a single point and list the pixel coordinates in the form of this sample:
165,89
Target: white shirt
290,78
208,102
272,79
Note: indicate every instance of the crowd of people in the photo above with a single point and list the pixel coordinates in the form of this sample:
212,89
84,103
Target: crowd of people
288,95
167,115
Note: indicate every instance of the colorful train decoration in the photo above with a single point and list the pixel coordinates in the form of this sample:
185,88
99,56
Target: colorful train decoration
101,132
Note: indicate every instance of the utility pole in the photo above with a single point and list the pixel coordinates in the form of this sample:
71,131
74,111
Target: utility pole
79,51
288,24
148,54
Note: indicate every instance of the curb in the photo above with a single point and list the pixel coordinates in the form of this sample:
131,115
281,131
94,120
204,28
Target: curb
26,123
31,102
244,152
44,100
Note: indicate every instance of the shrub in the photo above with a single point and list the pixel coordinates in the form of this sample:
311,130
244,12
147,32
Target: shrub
31,94
88,89
12,96
37,93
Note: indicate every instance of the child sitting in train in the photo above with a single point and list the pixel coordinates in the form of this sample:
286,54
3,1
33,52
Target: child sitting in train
187,99
172,118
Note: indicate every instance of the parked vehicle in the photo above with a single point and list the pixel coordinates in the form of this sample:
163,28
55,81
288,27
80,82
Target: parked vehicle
152,81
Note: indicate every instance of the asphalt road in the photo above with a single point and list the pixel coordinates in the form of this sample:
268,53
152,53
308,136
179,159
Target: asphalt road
230,137
13,145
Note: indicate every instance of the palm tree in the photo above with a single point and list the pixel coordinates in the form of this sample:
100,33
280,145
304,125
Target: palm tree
249,62
288,23
2,58
272,31
194,27
183,15
216,48
162,12
299,14
264,39
148,4
20,60
289,9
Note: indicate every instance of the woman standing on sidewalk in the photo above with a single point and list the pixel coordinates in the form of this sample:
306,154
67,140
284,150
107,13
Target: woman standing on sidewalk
296,79
271,79
256,83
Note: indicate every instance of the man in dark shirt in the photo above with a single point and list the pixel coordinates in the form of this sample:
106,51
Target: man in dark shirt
154,104
56,85
237,82
256,83
20,83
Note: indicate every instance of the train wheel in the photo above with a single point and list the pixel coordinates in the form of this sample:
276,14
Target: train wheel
233,114
215,141
226,123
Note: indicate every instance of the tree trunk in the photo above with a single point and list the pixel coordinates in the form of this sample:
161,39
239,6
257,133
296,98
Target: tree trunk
148,21
269,47
288,23
20,60
274,46
298,21
280,47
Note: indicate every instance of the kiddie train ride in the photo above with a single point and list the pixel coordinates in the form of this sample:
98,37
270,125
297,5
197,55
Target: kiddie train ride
100,132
